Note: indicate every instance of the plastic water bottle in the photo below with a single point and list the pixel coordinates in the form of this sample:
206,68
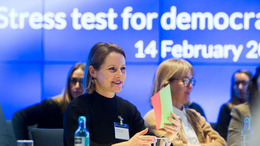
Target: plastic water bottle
246,132
81,137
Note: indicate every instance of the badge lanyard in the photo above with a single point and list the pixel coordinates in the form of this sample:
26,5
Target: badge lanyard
121,129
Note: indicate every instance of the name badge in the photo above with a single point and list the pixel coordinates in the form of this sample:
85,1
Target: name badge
121,130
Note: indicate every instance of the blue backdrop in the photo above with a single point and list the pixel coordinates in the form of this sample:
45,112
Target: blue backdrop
41,39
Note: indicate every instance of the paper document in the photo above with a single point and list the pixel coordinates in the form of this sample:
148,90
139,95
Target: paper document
162,105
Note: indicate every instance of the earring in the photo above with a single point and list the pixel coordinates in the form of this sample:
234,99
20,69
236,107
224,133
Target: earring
93,81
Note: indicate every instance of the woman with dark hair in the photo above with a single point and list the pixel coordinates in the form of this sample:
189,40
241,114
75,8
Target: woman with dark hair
247,109
239,84
104,77
49,113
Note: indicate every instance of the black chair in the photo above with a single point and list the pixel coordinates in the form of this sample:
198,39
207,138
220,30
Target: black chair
47,137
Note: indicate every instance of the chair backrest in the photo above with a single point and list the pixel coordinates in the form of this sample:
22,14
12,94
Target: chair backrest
47,137
13,138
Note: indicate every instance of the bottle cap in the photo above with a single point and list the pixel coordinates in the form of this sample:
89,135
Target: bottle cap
83,118
247,118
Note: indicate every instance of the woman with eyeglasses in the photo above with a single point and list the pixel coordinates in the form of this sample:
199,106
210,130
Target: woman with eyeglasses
193,127
247,109
49,113
239,84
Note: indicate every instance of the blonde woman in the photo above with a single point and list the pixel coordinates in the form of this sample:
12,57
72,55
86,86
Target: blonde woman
49,113
194,129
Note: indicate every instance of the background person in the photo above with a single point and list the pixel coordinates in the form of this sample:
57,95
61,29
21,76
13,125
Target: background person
247,109
49,113
194,128
239,84
105,75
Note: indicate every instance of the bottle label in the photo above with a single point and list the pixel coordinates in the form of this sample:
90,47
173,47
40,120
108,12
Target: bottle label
81,141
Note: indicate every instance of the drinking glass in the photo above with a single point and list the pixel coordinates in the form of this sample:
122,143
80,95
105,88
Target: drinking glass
24,142
160,141
194,144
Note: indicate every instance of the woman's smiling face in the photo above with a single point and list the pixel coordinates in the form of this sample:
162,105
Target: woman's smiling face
111,75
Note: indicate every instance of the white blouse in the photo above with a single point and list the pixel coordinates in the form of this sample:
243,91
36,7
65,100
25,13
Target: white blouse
188,131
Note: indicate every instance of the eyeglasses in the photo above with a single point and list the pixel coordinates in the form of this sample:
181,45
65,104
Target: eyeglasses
186,81
241,82
74,81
